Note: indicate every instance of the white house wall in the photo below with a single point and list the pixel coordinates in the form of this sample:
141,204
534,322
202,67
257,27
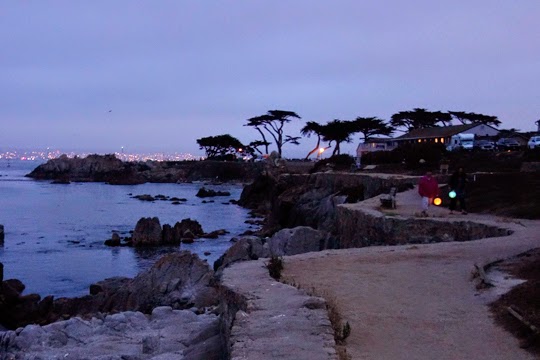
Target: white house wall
482,130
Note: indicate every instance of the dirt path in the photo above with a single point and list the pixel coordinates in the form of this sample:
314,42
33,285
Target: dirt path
417,302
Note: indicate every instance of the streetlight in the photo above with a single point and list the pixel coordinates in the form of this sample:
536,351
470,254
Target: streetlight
321,150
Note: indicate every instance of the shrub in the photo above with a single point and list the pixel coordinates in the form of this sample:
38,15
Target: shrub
336,162
275,266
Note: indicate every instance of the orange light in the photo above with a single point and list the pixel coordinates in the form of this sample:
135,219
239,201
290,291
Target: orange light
437,201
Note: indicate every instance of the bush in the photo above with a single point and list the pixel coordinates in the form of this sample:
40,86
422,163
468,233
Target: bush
341,162
412,154
275,266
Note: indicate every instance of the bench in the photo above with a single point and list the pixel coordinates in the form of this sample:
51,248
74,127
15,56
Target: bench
389,200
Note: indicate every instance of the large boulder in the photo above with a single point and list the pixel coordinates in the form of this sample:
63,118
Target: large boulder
298,240
179,280
246,248
147,232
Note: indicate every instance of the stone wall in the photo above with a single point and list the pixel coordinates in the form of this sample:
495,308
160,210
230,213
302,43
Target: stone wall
359,226
266,319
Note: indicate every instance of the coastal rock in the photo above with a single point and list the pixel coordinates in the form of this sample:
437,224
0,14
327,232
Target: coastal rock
180,280
144,197
298,240
203,192
214,234
164,334
245,248
114,240
1,233
147,232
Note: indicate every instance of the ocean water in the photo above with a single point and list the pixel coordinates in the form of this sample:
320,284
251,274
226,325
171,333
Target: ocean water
54,233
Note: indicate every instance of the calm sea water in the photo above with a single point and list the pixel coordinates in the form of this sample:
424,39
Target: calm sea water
54,233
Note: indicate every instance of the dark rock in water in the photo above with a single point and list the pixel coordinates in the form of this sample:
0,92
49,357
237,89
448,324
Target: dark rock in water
114,240
203,192
177,199
144,197
176,203
214,234
188,240
61,181
161,197
1,233
147,232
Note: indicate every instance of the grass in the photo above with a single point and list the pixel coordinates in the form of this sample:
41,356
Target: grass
275,267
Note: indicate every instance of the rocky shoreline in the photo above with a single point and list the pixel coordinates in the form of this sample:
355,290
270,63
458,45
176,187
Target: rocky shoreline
109,169
304,213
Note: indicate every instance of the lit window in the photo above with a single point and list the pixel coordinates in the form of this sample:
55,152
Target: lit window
419,140
442,140
436,140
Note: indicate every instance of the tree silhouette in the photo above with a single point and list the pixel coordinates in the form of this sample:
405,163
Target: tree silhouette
273,123
468,118
219,145
419,119
372,126
313,127
338,131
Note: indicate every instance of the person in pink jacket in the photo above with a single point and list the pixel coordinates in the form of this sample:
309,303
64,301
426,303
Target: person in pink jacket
428,188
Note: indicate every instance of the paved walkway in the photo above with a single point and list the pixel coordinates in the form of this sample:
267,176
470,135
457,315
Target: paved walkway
417,301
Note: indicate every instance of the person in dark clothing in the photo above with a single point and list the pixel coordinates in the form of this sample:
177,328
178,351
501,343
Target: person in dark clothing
458,182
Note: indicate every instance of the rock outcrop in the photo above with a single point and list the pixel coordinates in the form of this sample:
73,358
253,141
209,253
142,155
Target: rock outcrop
164,334
204,192
180,280
107,168
246,248
299,240
149,232
311,200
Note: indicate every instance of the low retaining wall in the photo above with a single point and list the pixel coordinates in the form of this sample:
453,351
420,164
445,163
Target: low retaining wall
359,226
266,319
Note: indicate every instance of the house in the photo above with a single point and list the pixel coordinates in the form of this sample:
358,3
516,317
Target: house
438,134
376,144
443,134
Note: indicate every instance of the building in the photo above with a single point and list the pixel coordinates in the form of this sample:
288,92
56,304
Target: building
438,134
443,134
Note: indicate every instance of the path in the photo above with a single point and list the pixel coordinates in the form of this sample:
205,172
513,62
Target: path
417,301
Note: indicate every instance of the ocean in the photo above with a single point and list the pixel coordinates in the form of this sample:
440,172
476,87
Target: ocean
54,233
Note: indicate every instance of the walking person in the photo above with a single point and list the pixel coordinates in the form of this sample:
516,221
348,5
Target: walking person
428,188
458,182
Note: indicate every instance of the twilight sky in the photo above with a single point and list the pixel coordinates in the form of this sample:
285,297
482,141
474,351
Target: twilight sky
156,75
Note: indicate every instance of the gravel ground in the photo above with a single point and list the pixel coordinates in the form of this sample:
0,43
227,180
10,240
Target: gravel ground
418,301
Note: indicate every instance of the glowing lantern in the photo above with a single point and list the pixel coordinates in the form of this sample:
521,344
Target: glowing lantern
437,201
452,194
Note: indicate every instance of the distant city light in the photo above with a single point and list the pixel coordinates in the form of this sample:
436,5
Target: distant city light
48,154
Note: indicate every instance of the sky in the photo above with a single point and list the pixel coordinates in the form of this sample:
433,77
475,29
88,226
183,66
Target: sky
157,75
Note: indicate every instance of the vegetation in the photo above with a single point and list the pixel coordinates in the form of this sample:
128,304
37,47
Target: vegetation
275,267
271,126
220,145
272,123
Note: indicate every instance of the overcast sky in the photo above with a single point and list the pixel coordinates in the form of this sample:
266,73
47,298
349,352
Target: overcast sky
157,75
